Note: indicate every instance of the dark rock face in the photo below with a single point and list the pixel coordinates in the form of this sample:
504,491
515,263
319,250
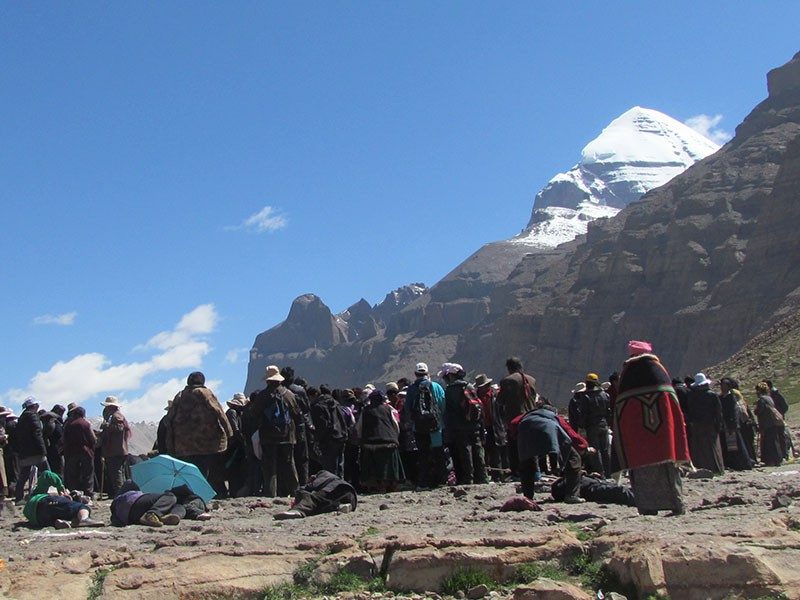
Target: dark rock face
784,79
698,267
335,349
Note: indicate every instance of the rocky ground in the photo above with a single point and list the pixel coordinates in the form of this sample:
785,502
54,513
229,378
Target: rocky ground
739,538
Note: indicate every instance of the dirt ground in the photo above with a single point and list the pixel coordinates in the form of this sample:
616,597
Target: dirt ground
739,537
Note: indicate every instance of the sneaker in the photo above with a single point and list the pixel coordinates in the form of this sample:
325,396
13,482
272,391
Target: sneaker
170,519
345,508
150,519
61,524
203,517
574,500
90,523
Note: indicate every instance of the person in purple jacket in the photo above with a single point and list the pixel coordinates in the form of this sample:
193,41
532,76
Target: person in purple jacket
133,506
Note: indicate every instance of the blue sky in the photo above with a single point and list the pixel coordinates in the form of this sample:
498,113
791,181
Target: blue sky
172,175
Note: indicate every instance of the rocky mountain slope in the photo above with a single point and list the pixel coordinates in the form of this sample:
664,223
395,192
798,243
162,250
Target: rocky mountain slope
638,151
317,342
698,266
773,354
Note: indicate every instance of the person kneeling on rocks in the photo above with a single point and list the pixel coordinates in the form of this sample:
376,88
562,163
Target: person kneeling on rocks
539,433
132,506
51,504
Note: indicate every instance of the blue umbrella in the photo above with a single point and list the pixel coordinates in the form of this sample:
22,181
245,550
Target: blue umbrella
162,473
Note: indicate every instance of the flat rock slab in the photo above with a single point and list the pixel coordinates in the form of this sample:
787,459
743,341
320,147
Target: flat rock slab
728,548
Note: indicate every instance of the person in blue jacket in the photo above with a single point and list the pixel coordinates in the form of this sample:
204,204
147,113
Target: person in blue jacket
424,409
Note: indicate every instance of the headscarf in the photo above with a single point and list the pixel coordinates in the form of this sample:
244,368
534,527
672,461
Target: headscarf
636,347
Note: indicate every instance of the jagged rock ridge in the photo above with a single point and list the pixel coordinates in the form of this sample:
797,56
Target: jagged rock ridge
311,332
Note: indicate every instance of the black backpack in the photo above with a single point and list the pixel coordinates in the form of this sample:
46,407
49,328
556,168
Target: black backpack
425,413
336,429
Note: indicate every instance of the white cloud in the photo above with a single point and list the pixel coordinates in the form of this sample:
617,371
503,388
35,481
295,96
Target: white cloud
149,406
201,320
81,377
93,375
708,126
232,355
266,220
64,319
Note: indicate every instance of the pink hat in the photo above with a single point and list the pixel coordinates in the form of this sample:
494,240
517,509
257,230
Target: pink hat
635,348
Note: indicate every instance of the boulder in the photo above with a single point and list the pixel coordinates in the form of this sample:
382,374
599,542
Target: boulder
713,571
203,576
425,569
352,560
547,589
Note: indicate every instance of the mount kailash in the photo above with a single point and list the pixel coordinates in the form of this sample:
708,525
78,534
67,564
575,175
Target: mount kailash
638,151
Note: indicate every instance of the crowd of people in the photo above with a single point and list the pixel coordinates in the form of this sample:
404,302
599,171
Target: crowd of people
416,433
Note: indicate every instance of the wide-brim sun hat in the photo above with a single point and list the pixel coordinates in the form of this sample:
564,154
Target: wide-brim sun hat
701,379
273,373
110,401
449,368
482,380
238,399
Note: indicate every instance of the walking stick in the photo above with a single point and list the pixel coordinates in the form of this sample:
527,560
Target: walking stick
102,476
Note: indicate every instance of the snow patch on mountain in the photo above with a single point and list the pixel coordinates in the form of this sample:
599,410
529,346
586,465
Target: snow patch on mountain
560,224
640,150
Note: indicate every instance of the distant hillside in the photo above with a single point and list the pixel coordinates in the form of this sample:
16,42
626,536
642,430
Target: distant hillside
773,354
143,438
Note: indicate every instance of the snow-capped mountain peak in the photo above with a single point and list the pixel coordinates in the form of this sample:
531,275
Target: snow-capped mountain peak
638,151
642,135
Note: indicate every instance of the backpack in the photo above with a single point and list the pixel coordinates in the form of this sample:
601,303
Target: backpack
425,413
473,407
276,416
333,420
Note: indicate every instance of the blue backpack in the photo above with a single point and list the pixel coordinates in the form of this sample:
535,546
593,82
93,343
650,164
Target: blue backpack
276,416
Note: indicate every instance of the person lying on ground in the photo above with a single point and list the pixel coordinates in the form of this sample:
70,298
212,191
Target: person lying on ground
132,506
595,488
51,505
325,492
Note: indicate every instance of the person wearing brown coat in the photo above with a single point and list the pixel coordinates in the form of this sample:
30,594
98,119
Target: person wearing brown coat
197,430
114,435
79,443
517,396
273,412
